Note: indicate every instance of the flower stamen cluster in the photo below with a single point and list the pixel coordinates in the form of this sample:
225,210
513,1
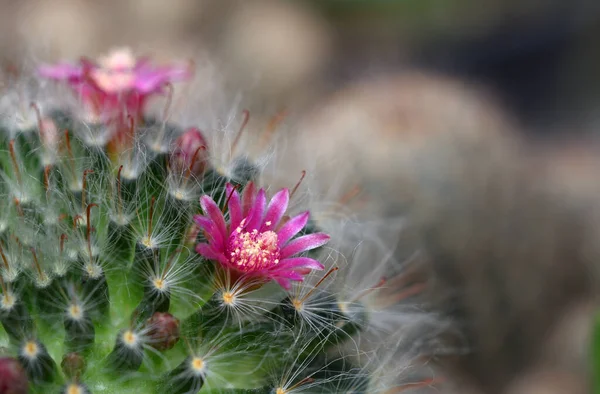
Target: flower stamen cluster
252,251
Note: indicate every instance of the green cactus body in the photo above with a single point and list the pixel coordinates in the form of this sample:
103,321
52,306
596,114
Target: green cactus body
104,292
78,279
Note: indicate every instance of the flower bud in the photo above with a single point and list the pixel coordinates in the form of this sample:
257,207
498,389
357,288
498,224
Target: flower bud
13,379
190,153
163,331
73,365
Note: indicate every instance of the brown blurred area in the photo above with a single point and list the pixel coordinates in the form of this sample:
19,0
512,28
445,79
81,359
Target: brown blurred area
276,49
538,56
366,80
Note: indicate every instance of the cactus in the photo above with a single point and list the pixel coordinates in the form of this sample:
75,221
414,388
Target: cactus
131,263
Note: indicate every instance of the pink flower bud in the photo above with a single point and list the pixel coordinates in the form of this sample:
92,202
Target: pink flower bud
190,154
13,379
163,331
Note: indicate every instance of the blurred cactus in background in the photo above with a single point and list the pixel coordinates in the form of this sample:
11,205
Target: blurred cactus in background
132,263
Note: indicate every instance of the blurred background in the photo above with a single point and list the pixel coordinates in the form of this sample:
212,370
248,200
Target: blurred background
539,57
360,73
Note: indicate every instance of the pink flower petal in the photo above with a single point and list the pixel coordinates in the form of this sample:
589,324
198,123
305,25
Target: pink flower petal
215,236
149,79
210,253
291,228
303,271
298,262
203,222
285,283
60,71
256,213
235,207
178,72
248,196
276,209
149,83
304,243
214,213
292,275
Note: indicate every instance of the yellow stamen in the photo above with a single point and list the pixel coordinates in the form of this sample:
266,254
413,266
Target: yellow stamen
129,338
31,349
228,298
298,304
197,364
74,389
159,284
75,312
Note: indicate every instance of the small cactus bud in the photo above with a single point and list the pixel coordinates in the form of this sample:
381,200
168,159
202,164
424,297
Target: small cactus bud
163,331
190,154
73,365
13,379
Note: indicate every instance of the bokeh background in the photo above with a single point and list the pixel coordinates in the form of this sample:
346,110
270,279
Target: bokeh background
540,57
359,75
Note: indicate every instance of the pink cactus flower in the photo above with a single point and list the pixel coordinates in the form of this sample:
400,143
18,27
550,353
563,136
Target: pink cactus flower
117,86
255,244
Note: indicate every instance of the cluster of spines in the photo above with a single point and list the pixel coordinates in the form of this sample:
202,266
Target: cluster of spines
98,249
